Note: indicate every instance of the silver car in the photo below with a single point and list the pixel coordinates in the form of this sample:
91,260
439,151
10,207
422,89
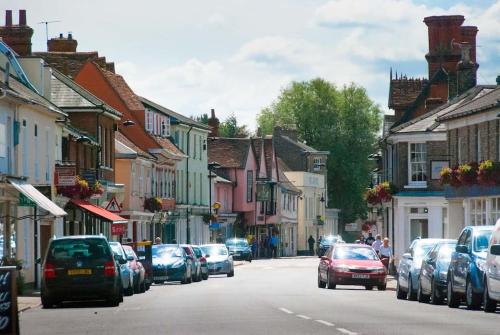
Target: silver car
409,267
219,260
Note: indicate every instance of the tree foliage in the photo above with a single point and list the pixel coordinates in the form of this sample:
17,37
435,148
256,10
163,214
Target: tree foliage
230,128
203,118
343,121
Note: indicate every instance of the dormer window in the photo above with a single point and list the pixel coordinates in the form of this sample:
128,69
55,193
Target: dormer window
165,127
317,164
149,121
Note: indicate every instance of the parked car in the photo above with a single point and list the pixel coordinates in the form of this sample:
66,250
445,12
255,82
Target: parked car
351,264
433,273
239,248
143,250
326,242
219,260
491,294
466,271
171,263
126,272
409,267
137,269
195,262
203,261
80,267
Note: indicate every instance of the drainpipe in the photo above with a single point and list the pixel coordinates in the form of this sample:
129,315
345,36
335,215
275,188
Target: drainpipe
188,237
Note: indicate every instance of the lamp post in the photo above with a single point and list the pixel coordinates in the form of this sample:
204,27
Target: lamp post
212,166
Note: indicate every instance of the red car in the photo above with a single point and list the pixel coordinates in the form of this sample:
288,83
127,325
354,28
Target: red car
136,268
351,264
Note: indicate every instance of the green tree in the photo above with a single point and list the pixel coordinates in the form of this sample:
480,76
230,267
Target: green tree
230,128
344,122
203,118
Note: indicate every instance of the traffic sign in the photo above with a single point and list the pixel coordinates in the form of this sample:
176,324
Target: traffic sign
113,206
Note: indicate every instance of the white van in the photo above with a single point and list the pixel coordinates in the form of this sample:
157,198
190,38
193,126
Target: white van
492,272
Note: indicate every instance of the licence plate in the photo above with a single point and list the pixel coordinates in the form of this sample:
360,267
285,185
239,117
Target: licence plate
160,278
75,272
360,276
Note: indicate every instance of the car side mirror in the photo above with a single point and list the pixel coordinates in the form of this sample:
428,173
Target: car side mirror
207,255
463,249
407,255
495,249
122,260
130,258
38,261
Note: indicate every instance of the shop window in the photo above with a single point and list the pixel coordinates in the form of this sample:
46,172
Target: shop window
477,209
495,210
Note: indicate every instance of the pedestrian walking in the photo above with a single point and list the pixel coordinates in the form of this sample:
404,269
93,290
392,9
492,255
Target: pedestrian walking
274,246
386,253
157,240
311,241
370,239
377,244
254,247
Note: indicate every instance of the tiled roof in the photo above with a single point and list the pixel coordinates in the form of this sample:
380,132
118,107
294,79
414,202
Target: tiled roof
300,145
70,63
427,122
169,146
284,181
485,102
228,152
171,113
257,148
67,93
403,91
124,91
124,140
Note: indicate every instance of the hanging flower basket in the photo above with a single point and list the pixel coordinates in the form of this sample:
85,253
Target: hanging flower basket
380,193
449,176
488,173
81,189
467,174
153,204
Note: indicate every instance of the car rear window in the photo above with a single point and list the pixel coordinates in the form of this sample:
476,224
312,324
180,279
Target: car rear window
68,249
481,240
129,251
117,249
355,253
215,250
160,251
197,252
237,243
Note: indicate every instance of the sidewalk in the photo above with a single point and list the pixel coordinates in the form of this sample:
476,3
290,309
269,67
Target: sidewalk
29,299
391,283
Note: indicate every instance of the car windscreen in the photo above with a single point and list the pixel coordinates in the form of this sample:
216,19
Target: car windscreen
445,252
79,249
165,252
117,249
355,253
237,243
329,240
215,250
197,252
421,249
129,252
481,240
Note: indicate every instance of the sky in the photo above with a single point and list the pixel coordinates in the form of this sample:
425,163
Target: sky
236,56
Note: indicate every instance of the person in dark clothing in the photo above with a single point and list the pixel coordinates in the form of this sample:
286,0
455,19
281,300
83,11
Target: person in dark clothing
370,239
274,246
311,241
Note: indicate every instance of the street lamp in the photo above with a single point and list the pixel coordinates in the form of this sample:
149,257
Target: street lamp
211,167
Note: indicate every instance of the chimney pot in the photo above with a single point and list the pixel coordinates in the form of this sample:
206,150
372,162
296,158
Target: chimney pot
212,113
61,35
70,36
8,17
22,17
498,80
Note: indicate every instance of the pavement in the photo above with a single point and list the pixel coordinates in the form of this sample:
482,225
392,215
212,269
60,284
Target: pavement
271,296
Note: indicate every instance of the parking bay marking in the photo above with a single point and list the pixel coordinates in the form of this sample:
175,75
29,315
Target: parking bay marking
326,323
287,311
305,317
345,331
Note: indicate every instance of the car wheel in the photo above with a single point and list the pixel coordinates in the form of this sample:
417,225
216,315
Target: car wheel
452,297
231,273
411,295
320,283
47,302
329,283
400,294
490,305
473,300
137,285
435,298
185,279
368,287
204,276
142,287
130,289
114,299
421,297
382,287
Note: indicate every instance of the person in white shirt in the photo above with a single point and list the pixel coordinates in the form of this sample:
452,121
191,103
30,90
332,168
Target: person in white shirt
385,249
377,243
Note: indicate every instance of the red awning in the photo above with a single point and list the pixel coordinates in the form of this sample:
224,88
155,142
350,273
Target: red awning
101,212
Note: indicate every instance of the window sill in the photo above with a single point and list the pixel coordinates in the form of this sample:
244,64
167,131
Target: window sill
416,186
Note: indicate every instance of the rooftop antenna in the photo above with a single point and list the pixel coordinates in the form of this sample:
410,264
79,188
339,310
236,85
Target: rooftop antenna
47,28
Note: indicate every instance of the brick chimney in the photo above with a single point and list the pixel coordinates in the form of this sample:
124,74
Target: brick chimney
214,123
18,37
466,69
62,44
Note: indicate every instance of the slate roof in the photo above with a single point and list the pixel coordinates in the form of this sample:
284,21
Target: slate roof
284,181
70,63
428,121
300,145
403,91
482,103
180,118
228,152
66,93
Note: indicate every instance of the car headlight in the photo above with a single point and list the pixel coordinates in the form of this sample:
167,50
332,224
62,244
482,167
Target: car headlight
443,275
177,264
481,264
378,270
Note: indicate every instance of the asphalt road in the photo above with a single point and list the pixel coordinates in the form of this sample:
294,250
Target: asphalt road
264,297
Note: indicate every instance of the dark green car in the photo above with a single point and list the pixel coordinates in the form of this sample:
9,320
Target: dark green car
239,249
80,268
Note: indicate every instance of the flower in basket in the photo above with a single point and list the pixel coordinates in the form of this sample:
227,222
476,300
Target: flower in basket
153,204
384,191
371,196
97,189
487,173
467,173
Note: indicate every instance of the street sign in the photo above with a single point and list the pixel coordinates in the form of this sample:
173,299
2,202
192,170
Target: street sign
24,201
263,192
117,229
113,206
9,323
65,176
214,225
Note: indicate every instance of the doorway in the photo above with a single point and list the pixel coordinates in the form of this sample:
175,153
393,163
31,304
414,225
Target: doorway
419,228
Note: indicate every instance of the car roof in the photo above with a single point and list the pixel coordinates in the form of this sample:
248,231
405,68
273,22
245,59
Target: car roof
213,245
82,237
343,245
474,228
167,245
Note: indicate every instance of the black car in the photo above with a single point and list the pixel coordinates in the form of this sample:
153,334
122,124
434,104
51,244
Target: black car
78,268
239,248
326,242
433,273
